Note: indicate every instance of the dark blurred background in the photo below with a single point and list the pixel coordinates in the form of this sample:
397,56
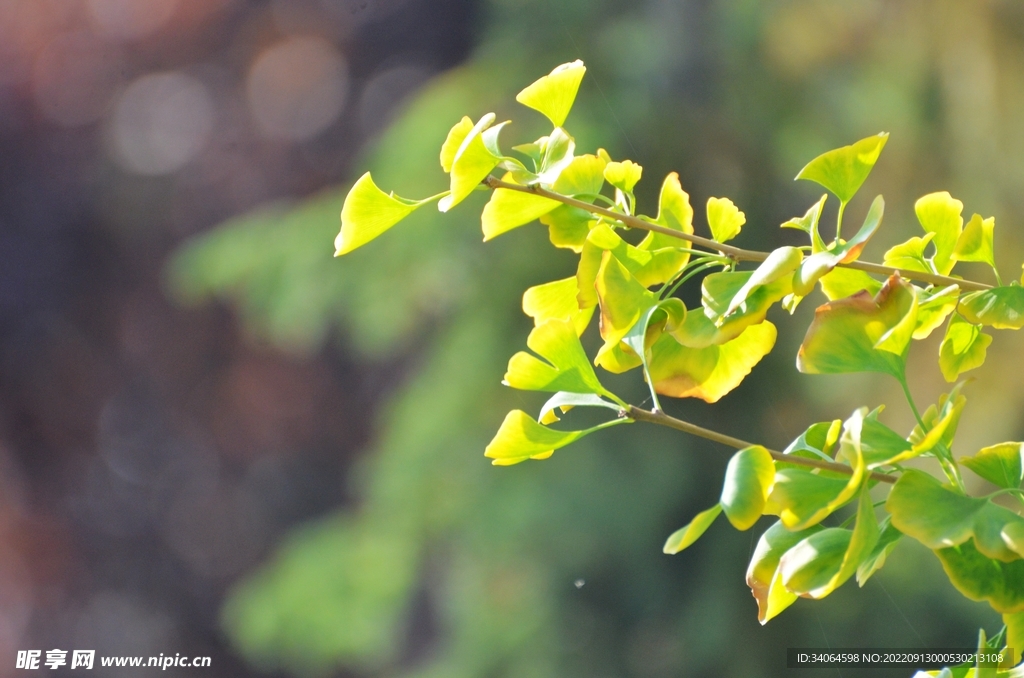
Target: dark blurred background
216,439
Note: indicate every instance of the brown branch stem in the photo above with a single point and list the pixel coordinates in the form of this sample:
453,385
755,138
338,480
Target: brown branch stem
736,253
662,419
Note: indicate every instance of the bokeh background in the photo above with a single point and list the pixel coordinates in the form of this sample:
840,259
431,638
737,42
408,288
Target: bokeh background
216,439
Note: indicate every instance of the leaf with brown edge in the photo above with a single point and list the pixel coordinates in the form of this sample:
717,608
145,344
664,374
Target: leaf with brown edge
708,373
861,333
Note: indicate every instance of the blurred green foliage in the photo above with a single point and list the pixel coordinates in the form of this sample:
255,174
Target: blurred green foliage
733,96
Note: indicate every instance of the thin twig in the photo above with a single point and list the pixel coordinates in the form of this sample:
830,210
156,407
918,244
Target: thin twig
736,253
655,417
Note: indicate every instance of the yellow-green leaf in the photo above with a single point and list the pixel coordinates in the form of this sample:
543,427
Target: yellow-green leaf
820,263
939,213
843,170
568,227
554,94
724,219
887,540
690,533
623,300
583,177
649,267
1015,632
940,420
1001,464
508,209
1001,307
453,142
567,367
708,373
962,349
975,243
748,482
520,437
623,175
933,305
368,212
719,289
763,577
845,282
556,300
470,164
980,578
909,255
780,264
861,334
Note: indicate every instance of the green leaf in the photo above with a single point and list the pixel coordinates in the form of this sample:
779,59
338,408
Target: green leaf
568,227
708,373
685,536
808,223
962,349
675,212
471,163
933,305
762,574
623,175
940,420
939,213
843,170
824,561
1015,632
817,442
1001,464
559,149
909,255
554,94
975,243
556,300
368,212
780,264
887,541
822,262
724,219
567,367
980,578
623,301
748,482
845,282
719,289
1000,307
939,517
879,444
861,334
508,209
565,401
520,438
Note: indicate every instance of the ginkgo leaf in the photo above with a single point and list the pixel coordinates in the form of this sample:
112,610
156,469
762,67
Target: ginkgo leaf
470,164
749,477
719,289
508,209
674,212
843,170
780,263
808,223
879,444
941,420
520,437
975,242
453,142
962,349
623,301
708,373
556,300
818,441
568,226
909,255
724,219
1000,307
567,367
686,535
1001,464
980,578
939,213
565,401
846,282
558,154
762,573
821,263
649,267
554,94
623,175
862,334
933,305
888,538
368,212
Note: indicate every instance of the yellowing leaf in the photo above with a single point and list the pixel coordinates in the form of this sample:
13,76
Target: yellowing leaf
843,170
975,243
623,175
508,209
933,305
819,264
567,367
719,289
556,300
568,226
748,482
1001,307
1001,464
690,533
845,282
887,541
708,373
520,438
980,578
554,94
909,255
724,219
471,163
939,213
583,177
762,574
453,142
779,264
861,334
368,212
962,349
623,301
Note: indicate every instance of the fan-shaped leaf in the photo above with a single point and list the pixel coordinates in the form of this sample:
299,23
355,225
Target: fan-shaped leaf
567,367
724,219
975,243
1001,464
980,578
909,255
763,577
554,94
471,162
368,212
1001,307
556,300
843,170
623,175
939,213
962,349
520,437
933,305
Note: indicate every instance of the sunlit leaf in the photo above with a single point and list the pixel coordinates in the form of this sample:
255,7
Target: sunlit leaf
699,331
939,517
941,421
780,264
724,219
939,213
975,243
565,401
568,226
556,300
763,569
470,164
887,541
508,209
1001,307
567,367
1001,464
1015,632
909,255
623,175
843,170
980,578
558,155
690,533
708,373
862,334
554,94
453,142
845,282
368,212
879,444
623,301
674,212
583,177
719,289
962,349
933,305
520,437
817,442
748,482
822,262
824,561
808,223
